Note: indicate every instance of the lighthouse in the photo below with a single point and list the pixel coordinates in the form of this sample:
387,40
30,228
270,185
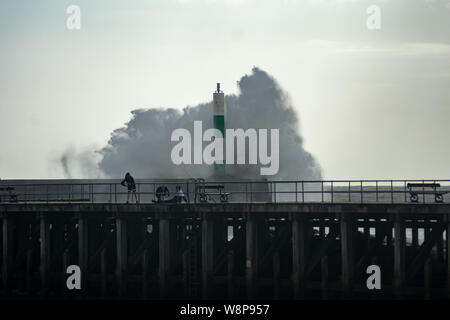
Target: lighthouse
219,122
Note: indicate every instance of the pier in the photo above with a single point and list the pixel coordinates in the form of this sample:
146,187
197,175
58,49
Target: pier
232,250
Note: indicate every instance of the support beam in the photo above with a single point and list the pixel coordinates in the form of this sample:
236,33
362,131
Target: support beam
428,279
324,277
447,235
164,255
7,249
83,252
298,256
145,273
104,272
251,265
230,272
66,263
207,256
415,237
185,266
44,236
122,255
276,276
347,253
399,255
28,271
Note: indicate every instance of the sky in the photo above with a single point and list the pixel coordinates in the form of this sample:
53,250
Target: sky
372,104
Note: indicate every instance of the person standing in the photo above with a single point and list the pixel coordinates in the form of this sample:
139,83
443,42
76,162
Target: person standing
131,185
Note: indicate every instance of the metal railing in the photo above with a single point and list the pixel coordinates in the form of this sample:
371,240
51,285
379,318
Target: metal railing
199,190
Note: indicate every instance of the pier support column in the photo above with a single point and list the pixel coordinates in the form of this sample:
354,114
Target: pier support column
122,255
347,253
276,276
399,255
428,279
415,237
447,235
207,255
298,256
44,235
230,272
6,252
83,252
164,255
251,264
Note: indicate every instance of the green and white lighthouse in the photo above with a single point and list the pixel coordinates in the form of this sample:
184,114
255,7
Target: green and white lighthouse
219,123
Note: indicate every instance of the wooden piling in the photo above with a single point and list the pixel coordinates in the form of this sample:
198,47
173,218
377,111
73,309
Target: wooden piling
104,272
347,258
44,253
276,276
324,277
122,255
207,256
448,255
428,279
251,265
399,255
164,255
230,272
7,248
83,251
28,271
298,256
145,271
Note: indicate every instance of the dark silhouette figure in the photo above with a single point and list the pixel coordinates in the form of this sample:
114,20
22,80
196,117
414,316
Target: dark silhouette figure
179,196
131,185
161,194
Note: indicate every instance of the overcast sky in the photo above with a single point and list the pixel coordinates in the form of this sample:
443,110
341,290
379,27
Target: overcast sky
372,104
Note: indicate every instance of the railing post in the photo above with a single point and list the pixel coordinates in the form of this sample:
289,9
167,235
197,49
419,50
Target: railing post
303,192
399,255
361,186
404,190
332,195
423,190
321,183
349,192
275,192
376,190
392,192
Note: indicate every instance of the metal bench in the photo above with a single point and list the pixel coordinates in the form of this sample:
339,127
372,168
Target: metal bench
414,192
205,196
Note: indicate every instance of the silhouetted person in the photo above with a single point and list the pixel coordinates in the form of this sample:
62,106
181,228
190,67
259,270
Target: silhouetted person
179,196
131,185
161,194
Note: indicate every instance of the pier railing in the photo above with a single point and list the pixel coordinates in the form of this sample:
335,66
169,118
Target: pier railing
201,191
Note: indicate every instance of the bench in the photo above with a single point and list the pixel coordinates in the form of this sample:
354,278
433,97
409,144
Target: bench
204,196
414,192
11,196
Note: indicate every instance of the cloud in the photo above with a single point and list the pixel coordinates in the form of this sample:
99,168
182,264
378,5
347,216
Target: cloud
401,49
